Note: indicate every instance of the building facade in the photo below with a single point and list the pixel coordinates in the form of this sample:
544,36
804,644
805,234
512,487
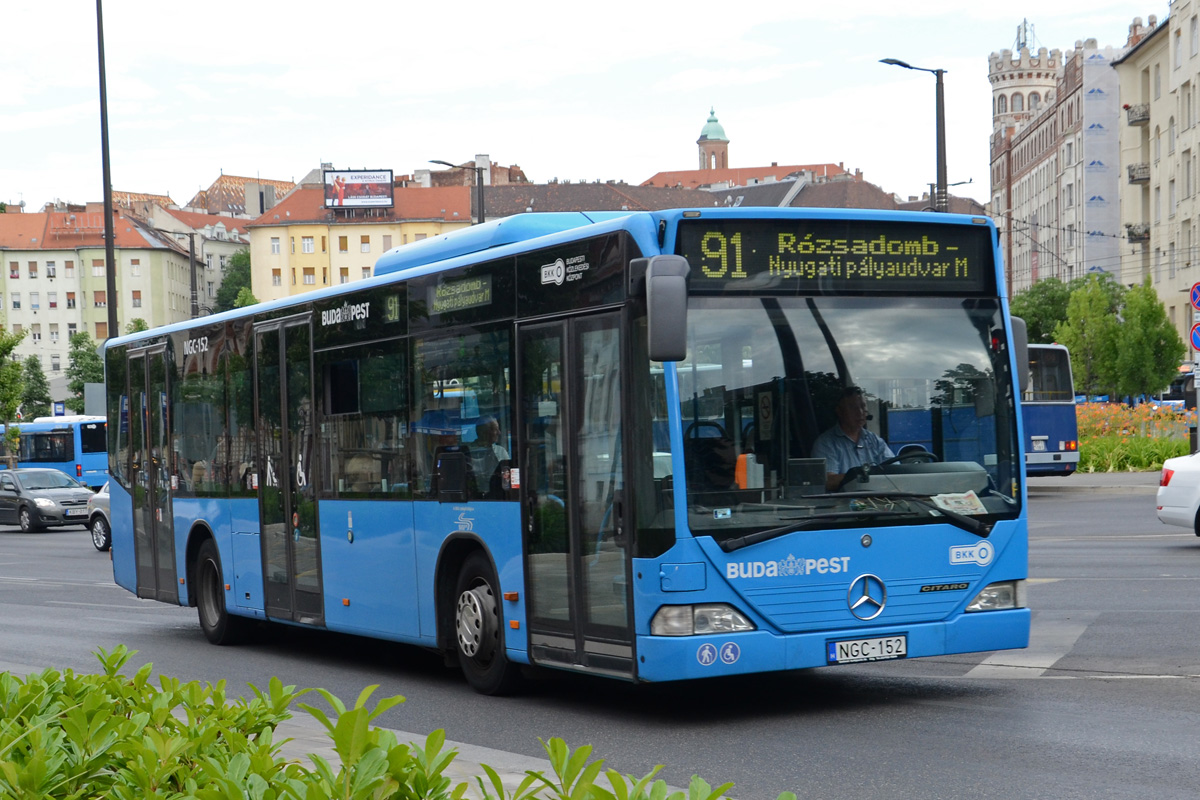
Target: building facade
299,245
1160,142
53,281
1055,160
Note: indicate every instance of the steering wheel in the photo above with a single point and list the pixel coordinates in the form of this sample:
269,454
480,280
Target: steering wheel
693,431
911,457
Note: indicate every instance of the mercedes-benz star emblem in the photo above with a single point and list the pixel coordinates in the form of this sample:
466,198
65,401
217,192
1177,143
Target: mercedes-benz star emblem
867,596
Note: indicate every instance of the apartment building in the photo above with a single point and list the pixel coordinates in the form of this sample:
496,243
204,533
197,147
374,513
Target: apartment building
1160,141
1055,155
300,245
53,280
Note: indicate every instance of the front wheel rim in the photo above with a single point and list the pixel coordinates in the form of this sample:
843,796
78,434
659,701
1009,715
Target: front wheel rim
98,534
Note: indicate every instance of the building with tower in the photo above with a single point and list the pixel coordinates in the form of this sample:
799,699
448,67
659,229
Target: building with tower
715,172
713,144
1055,158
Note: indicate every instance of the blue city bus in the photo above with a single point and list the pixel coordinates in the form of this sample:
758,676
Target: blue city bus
76,445
584,441
1048,413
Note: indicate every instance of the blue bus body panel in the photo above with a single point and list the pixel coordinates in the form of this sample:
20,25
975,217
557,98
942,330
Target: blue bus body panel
368,554
1058,423
120,507
498,526
796,591
520,228
671,658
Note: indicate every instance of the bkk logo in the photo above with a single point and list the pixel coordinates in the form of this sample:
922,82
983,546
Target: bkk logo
787,567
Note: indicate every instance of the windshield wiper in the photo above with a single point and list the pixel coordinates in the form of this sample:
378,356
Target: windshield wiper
800,524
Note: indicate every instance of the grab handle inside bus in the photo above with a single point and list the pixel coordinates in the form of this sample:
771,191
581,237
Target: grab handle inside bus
666,285
1020,338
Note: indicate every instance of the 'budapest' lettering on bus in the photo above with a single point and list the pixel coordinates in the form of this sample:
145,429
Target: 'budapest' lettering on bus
349,312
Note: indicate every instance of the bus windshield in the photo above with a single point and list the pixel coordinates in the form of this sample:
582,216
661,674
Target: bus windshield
763,376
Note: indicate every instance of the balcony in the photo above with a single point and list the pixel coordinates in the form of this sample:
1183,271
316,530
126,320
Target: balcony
1138,231
1137,114
1139,173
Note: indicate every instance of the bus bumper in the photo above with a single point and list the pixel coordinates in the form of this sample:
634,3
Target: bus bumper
665,658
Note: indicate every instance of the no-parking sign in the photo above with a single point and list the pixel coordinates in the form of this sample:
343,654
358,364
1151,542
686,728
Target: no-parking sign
1196,296
1195,337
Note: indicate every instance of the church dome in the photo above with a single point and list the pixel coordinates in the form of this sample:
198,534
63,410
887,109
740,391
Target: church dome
712,129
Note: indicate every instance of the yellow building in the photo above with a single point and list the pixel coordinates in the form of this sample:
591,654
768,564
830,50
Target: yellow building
299,245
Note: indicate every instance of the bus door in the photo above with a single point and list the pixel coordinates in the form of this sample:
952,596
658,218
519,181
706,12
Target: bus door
286,484
577,559
150,474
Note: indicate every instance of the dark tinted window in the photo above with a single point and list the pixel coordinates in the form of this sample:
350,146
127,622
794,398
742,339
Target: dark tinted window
92,437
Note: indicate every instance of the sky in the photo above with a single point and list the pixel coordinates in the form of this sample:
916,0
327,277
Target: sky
581,92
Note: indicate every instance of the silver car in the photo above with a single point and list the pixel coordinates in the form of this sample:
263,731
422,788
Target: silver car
37,498
97,506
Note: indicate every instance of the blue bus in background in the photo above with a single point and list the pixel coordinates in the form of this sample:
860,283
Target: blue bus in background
1048,413
584,441
76,445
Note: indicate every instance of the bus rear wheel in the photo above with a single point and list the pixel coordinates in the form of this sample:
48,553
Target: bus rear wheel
478,639
218,626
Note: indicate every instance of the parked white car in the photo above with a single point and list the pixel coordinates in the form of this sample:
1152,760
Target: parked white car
1179,492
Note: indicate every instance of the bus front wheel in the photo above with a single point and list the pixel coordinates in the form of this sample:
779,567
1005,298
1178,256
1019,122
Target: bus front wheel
218,626
477,631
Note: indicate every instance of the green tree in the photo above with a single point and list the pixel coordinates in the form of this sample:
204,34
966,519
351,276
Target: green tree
136,325
244,298
83,367
1148,346
11,388
1090,334
236,278
35,400
1043,306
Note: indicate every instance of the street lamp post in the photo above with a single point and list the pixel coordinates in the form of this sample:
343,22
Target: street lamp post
941,201
478,182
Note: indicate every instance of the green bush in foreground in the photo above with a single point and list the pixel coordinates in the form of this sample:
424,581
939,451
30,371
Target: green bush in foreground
72,736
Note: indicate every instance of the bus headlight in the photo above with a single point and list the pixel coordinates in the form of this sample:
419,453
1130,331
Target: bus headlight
698,619
999,596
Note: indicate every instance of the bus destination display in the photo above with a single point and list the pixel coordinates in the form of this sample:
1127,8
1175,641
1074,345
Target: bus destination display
834,256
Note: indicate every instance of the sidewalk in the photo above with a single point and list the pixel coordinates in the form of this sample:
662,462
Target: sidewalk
1133,482
309,736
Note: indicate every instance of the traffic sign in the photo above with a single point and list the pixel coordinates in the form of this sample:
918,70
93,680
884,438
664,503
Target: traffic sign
1195,337
1196,296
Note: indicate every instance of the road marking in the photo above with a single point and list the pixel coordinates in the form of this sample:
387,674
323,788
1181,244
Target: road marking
1051,636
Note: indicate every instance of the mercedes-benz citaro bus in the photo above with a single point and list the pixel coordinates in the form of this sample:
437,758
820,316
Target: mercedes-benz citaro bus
585,441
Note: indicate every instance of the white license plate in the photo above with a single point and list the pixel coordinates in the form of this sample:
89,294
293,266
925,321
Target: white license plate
1039,446
76,512
851,651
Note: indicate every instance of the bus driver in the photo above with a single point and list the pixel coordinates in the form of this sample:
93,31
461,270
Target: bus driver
848,443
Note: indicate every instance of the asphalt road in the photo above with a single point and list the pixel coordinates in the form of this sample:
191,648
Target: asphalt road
1104,704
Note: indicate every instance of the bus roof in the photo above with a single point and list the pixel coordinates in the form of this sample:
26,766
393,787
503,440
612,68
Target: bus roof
533,230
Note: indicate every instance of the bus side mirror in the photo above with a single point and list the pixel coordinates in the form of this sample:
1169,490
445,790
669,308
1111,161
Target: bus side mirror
666,286
1020,339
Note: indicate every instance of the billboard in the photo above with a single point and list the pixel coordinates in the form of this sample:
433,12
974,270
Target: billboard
346,188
